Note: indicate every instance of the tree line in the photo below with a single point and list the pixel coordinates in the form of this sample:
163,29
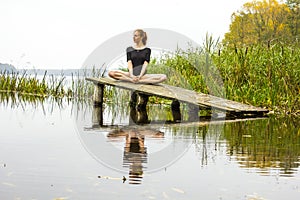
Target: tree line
265,21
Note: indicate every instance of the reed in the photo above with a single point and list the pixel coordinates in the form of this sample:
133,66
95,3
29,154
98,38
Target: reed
267,76
48,85
260,75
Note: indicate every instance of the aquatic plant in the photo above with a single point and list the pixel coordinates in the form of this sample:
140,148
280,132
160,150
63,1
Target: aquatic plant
48,85
260,75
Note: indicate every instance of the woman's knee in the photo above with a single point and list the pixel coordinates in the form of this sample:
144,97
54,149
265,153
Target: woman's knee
111,73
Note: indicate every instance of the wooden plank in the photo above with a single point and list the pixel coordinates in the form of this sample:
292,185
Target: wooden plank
183,95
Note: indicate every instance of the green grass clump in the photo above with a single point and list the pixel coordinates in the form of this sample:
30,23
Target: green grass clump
48,85
25,84
267,76
261,75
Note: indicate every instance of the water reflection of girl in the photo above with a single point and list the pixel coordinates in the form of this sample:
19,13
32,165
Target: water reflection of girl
138,58
135,152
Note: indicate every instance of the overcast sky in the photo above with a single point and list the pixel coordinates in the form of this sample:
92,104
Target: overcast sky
56,34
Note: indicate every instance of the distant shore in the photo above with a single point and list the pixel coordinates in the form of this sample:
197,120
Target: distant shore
56,72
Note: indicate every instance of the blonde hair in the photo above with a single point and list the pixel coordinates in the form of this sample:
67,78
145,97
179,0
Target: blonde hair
143,34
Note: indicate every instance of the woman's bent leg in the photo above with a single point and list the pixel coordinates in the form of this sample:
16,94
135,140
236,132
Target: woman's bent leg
120,75
153,78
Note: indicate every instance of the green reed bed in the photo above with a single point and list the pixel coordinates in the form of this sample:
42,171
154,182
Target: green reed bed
30,85
75,87
266,76
49,85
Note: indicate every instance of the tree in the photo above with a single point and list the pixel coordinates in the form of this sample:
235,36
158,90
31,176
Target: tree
294,17
259,21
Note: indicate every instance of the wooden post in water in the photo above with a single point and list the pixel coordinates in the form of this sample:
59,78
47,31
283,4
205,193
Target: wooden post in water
98,94
142,101
193,112
139,100
175,107
138,116
97,117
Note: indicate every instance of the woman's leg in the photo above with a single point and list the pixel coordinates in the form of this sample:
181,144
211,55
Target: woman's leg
153,78
120,75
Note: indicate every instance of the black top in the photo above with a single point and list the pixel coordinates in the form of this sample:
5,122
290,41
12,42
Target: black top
138,57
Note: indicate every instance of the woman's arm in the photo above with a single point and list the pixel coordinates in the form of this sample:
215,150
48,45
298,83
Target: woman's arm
132,77
144,68
130,68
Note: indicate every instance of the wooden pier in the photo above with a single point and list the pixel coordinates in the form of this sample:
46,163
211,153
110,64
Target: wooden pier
177,94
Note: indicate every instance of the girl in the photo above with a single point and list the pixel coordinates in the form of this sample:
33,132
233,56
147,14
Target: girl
138,58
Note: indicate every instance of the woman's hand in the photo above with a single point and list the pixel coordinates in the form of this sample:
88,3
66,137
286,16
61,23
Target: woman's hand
135,79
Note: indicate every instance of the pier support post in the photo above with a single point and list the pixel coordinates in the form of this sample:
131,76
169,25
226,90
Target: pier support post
97,117
138,111
138,116
142,101
98,94
175,107
193,112
139,100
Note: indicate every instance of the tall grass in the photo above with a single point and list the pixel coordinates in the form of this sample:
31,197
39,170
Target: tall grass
49,85
260,75
267,76
29,85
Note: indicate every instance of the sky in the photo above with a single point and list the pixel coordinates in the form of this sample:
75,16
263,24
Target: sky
61,34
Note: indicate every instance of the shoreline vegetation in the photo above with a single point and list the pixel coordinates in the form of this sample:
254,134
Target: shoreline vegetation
264,75
260,75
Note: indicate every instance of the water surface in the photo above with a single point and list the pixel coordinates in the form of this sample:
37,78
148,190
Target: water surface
54,149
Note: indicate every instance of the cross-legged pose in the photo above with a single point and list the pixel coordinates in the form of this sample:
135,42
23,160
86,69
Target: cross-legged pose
138,58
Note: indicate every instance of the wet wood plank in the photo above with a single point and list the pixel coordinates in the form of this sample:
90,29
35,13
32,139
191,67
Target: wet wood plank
183,95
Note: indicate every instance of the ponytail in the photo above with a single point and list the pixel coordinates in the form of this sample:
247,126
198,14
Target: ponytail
143,34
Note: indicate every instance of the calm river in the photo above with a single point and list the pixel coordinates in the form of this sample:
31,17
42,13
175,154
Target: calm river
58,149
